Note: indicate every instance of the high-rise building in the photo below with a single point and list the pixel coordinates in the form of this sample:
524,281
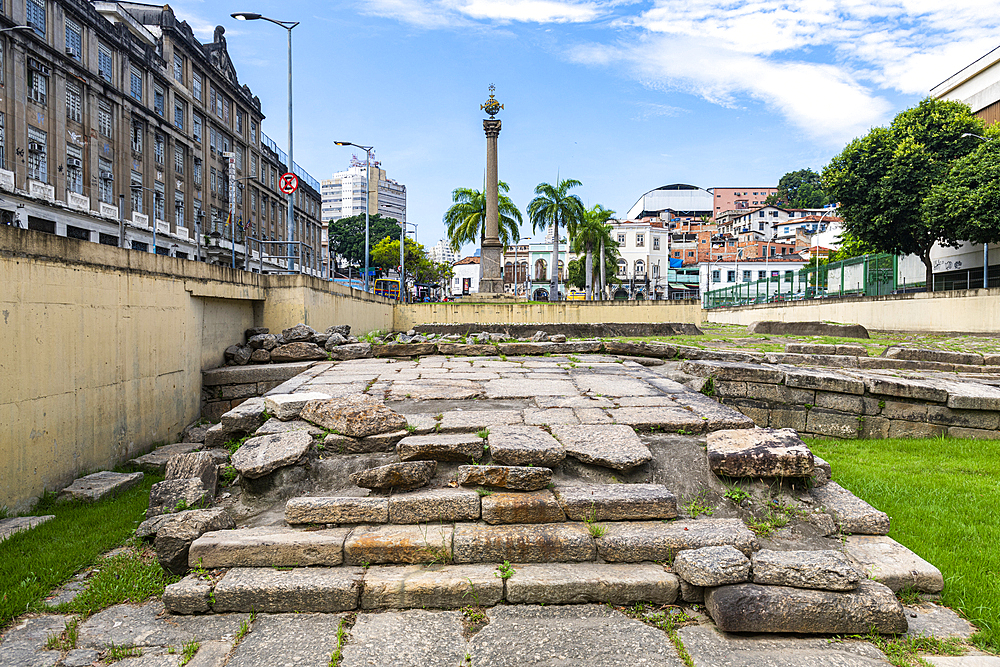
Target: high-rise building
442,252
344,193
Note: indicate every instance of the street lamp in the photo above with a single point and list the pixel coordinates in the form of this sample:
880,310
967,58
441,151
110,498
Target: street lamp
402,265
16,27
368,160
287,25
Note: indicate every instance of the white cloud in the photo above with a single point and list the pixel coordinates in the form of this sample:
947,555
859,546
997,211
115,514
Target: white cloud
415,12
452,13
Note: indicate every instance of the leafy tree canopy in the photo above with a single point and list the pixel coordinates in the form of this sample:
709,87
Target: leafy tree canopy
881,180
800,189
465,220
347,236
418,265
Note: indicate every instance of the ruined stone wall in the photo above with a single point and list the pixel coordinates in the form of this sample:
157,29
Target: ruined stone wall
969,311
104,348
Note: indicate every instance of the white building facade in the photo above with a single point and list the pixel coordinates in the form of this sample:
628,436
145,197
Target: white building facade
442,252
643,266
344,194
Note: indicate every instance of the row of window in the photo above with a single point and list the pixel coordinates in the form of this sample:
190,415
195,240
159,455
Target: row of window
640,240
748,276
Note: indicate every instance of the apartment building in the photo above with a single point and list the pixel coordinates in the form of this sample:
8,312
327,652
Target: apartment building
740,199
119,127
344,193
644,262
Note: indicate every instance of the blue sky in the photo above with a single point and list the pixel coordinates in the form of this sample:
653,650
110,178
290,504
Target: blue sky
623,96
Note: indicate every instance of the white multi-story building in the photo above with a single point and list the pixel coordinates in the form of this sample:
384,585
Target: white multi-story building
645,252
442,253
344,194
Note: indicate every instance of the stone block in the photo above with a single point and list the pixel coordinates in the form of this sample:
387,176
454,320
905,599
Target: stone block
777,393
264,454
617,502
921,390
99,486
274,425
758,452
758,411
972,433
404,350
858,405
914,412
613,446
550,416
402,476
776,328
715,415
576,346
524,446
833,423
459,421
824,570
434,505
674,420
972,396
852,350
526,349
523,543
381,442
906,429
297,351
270,591
506,477
641,349
390,543
248,374
351,351
692,594
441,447
823,381
730,389
834,360
268,546
712,566
657,541
479,350
436,587
942,356
788,417
755,608
874,428
177,494
337,509
939,414
890,563
218,436
810,348
852,514
156,461
734,371
190,595
200,465
233,391
522,507
174,537
578,583
286,407
518,388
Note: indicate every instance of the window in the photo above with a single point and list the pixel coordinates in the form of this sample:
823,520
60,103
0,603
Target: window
239,122
219,103
105,189
746,276
656,243
541,270
158,100
197,171
621,239
179,115
178,159
135,83
762,275
35,10
253,132
179,209
690,253
3,146
730,276
137,134
196,85
137,191
225,110
196,127
716,275
158,146
178,68
74,40
239,158
655,268
77,233
140,246
105,63
158,201
74,169
104,123
253,164
212,179
788,276
37,155
622,267
38,86
640,267
640,240
73,102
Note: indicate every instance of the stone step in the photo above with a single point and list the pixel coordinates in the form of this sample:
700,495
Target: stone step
851,514
270,546
759,452
324,589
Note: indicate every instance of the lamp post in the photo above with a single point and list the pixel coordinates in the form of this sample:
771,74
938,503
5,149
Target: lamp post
15,28
368,168
287,25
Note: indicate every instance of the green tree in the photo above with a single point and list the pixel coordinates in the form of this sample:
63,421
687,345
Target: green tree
799,189
418,266
852,246
465,219
592,231
576,273
882,180
347,236
968,199
554,206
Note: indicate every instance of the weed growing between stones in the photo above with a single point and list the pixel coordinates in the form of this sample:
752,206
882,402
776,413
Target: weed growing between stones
595,529
115,652
188,652
227,475
246,625
343,632
698,505
904,651
483,433
909,595
708,388
131,576
483,492
66,640
667,618
410,428
233,445
736,494
474,619
504,571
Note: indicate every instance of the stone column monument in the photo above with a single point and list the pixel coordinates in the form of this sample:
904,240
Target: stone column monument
491,254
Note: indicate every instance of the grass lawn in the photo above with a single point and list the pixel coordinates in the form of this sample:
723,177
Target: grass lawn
943,496
33,562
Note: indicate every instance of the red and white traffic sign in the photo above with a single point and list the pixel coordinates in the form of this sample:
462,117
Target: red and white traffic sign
288,183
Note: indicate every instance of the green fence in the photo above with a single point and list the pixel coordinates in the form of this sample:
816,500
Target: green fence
869,275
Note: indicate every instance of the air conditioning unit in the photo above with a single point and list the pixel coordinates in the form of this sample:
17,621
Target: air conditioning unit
35,147
107,176
74,162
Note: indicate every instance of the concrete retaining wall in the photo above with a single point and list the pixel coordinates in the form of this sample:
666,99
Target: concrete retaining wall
104,348
970,311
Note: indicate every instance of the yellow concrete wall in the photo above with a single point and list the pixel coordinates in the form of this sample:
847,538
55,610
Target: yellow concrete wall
971,311
102,349
514,312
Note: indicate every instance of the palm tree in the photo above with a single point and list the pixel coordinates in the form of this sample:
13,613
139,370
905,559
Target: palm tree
551,207
466,218
592,231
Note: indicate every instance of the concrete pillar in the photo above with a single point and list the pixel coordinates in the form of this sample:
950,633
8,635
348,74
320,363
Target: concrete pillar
492,250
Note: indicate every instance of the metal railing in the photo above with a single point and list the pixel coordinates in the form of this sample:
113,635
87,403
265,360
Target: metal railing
283,156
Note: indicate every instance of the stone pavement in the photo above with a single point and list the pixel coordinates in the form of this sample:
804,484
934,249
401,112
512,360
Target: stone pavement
586,635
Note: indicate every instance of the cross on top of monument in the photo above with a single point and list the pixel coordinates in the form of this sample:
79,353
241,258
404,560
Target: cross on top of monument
492,106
